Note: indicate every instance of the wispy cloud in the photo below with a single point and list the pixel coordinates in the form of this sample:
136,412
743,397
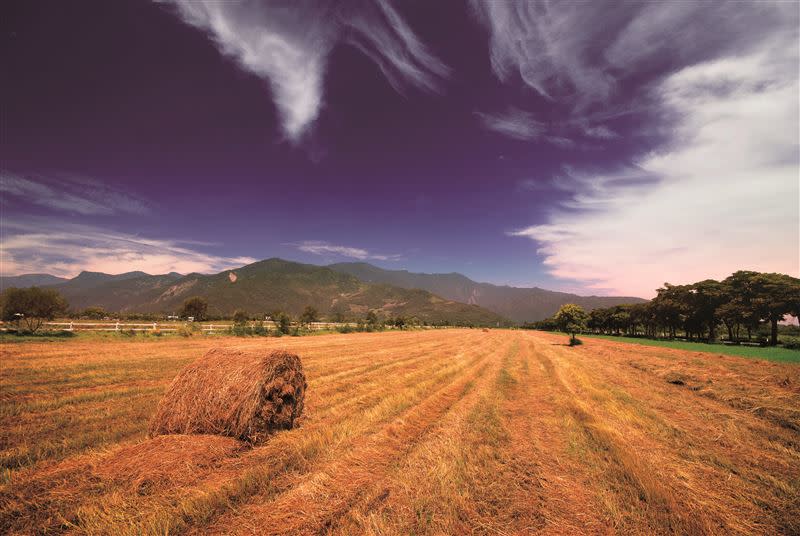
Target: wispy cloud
520,125
514,123
73,194
287,44
64,249
722,195
600,131
538,42
324,248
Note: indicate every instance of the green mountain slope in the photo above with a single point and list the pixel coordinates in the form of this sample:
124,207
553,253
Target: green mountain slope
518,304
29,280
266,286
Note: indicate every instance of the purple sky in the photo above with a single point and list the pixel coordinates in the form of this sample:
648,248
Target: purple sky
591,147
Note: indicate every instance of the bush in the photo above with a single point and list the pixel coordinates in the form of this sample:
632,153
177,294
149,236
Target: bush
345,329
240,317
239,330
185,331
791,343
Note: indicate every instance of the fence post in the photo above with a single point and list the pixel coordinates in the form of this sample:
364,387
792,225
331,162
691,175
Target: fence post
71,328
117,326
154,326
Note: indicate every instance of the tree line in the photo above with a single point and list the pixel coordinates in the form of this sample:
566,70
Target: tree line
29,308
739,304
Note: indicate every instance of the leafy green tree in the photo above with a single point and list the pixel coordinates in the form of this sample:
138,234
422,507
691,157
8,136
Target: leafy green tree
32,306
372,319
196,307
240,317
282,322
777,295
309,315
337,313
94,313
571,319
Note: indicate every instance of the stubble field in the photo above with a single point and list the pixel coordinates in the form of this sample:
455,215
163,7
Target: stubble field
436,432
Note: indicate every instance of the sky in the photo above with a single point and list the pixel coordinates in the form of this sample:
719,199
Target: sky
594,147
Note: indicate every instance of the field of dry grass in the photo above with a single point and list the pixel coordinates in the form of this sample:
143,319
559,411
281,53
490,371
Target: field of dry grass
439,432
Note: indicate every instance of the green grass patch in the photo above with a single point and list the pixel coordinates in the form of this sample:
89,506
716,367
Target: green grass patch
782,355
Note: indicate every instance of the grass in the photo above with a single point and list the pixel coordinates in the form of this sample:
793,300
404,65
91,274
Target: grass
419,432
781,355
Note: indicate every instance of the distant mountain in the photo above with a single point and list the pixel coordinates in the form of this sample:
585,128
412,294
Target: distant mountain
517,303
263,287
29,280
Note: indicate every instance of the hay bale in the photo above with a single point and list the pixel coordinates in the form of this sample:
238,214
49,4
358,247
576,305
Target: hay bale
246,395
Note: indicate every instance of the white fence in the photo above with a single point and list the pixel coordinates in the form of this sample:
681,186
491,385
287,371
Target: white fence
173,326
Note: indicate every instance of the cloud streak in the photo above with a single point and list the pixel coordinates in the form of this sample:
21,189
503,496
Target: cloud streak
60,249
74,195
513,123
317,247
288,44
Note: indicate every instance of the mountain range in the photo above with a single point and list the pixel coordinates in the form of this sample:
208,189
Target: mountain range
343,289
520,304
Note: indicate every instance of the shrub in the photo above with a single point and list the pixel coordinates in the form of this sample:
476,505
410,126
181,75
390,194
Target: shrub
239,317
185,331
791,343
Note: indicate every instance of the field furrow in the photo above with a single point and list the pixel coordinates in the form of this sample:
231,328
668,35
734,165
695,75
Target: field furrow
434,432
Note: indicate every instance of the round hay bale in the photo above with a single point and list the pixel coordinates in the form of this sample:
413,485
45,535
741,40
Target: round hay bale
246,395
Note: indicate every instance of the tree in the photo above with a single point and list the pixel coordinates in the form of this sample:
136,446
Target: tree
240,317
337,313
32,305
94,313
309,315
282,322
372,319
776,295
196,307
571,319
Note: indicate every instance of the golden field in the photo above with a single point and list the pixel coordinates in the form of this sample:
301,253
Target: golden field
420,432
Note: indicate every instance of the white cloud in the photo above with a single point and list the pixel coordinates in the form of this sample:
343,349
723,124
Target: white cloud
600,131
723,194
324,248
75,195
65,250
520,125
514,123
538,41
287,44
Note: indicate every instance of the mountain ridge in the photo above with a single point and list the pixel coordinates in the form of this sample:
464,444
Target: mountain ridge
266,286
275,283
521,304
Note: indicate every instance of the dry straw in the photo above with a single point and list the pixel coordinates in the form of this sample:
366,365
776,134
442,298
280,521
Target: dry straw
246,395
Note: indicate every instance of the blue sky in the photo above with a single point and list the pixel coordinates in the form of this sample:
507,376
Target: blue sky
600,147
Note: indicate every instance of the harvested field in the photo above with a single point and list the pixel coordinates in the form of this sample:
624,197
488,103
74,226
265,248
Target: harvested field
435,432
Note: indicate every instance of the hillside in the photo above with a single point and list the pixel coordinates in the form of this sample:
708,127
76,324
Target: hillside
266,286
517,303
29,280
